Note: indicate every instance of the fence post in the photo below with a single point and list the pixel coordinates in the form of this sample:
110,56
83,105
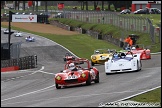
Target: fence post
35,59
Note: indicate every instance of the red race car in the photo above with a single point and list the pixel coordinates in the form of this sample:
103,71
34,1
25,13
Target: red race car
74,74
144,52
68,56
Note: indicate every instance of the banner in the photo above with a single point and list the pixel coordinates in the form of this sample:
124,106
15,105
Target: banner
24,18
30,3
60,6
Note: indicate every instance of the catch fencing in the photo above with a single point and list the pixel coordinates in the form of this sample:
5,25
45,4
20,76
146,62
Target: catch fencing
128,23
27,62
132,23
14,50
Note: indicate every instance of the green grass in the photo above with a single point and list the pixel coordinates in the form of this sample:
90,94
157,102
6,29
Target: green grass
82,45
116,33
151,96
50,8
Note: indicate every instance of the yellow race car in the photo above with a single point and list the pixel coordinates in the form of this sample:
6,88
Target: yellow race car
100,56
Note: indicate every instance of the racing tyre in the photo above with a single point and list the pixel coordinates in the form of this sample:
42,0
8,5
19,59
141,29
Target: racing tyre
140,65
107,73
97,78
57,86
88,82
64,59
137,67
92,63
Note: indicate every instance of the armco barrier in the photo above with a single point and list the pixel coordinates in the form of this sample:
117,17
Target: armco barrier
26,62
13,68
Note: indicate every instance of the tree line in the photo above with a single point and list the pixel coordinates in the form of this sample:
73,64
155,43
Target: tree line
84,4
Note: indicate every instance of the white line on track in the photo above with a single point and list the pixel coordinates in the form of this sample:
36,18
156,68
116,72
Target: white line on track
67,97
27,93
134,95
47,72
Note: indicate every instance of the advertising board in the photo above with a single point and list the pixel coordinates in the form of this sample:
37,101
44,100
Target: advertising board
24,18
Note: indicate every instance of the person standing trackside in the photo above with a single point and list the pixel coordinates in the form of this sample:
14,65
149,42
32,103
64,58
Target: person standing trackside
130,42
126,41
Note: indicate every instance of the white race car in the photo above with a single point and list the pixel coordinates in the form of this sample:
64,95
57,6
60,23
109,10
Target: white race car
123,62
18,34
30,39
6,31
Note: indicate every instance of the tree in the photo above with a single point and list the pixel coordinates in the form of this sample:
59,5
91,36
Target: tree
109,4
102,5
15,4
82,5
95,4
24,5
18,5
86,2
119,4
2,4
36,6
45,6
33,4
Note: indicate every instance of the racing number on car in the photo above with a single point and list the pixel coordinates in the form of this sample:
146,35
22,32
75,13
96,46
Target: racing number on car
71,77
102,57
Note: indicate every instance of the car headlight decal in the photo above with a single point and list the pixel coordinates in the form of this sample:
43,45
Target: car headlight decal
58,77
83,75
94,57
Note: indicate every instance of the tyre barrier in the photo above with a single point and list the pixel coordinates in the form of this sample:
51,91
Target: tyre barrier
27,62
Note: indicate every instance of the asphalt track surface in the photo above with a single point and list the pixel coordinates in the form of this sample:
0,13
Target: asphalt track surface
36,88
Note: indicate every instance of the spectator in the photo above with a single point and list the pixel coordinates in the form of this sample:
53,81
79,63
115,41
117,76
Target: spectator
128,42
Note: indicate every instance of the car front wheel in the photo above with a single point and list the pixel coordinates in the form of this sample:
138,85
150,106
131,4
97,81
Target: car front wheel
88,82
57,86
97,78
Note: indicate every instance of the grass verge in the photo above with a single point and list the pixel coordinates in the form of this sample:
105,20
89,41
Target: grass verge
151,96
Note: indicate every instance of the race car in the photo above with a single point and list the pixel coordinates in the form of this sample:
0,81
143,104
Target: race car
139,49
68,56
100,56
30,39
121,62
76,74
6,31
18,34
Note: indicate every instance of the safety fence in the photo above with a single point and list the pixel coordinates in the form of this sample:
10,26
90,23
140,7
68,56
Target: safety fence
133,23
26,62
128,23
